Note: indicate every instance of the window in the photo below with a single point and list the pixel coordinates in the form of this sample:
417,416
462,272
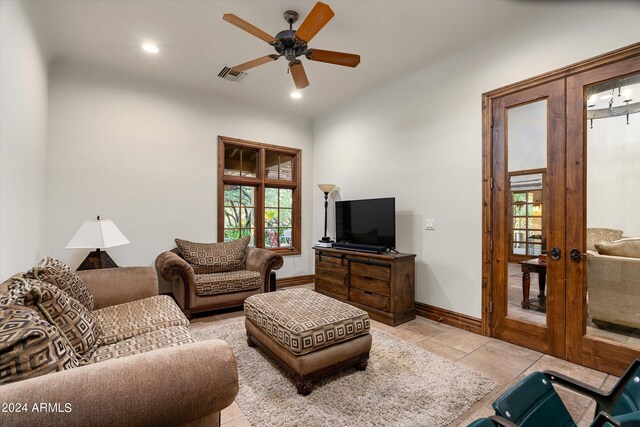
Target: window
259,194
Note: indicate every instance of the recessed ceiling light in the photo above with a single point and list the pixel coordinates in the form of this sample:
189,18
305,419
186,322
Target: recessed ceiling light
150,48
296,95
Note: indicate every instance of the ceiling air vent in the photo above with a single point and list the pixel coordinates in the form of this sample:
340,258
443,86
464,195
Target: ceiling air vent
233,76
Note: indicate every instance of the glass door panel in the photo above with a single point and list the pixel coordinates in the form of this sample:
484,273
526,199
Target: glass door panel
613,210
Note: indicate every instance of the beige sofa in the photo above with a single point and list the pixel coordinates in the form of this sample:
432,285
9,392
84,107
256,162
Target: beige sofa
163,381
613,282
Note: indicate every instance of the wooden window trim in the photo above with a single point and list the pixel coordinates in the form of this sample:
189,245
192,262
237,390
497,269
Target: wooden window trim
260,182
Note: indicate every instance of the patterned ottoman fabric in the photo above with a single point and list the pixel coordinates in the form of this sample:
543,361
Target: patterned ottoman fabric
303,321
224,283
123,321
206,258
77,323
59,274
168,337
29,346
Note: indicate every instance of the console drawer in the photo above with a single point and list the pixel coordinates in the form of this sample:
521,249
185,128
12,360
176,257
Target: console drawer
375,286
369,299
370,270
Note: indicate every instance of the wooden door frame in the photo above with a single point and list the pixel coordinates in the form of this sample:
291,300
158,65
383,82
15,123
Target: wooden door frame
488,100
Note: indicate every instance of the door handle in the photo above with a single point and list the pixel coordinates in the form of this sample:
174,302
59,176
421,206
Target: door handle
555,254
575,255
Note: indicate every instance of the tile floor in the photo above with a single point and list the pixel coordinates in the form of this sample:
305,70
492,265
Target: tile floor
504,362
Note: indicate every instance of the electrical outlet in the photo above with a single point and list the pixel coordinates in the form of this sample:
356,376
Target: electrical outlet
429,224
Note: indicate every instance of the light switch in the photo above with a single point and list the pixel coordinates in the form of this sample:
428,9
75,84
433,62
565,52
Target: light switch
429,224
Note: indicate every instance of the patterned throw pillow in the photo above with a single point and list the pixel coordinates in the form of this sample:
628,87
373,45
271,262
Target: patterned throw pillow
57,273
207,258
72,319
29,346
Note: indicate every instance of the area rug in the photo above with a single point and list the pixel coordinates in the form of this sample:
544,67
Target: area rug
403,385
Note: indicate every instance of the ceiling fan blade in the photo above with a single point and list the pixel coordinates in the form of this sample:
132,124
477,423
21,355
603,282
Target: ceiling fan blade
244,25
317,18
251,64
299,76
338,58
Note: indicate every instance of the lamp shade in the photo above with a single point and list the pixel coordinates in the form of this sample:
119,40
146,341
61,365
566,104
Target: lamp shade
326,188
97,233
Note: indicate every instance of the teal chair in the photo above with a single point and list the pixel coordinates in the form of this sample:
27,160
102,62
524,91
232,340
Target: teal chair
533,402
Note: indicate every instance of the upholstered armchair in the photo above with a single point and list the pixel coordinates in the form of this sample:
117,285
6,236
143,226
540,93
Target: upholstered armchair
211,276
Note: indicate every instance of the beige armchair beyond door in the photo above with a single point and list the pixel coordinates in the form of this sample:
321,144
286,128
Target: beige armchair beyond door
211,276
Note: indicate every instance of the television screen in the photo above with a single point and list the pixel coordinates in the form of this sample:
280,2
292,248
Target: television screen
367,222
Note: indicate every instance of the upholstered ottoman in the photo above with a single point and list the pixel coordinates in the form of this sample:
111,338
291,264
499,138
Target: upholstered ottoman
309,334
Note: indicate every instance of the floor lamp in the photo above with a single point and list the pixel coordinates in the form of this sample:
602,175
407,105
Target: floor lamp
326,189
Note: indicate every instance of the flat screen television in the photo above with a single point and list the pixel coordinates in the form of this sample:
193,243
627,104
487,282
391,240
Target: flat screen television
370,222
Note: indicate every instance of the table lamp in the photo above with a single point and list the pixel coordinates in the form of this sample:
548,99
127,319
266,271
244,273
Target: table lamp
100,234
326,189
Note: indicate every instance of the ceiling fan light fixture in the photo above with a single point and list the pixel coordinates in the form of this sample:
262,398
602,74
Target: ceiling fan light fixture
296,94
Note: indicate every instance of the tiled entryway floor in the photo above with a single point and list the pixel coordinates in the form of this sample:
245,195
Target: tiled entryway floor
505,363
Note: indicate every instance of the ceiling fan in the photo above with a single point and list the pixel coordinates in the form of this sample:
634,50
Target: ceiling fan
293,43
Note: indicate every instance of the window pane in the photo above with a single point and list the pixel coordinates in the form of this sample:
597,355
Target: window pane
535,223
286,198
231,195
231,235
519,236
271,165
519,210
231,161
270,218
535,237
285,237
248,215
271,238
534,249
249,161
535,209
285,218
519,197
271,197
519,223
286,167
519,248
248,196
231,217
249,232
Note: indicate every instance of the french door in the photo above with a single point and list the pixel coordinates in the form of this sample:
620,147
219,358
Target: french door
528,178
562,177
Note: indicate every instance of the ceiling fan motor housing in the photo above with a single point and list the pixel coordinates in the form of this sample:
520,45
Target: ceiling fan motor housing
289,46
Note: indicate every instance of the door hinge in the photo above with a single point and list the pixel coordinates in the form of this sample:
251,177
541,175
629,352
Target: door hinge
491,182
491,246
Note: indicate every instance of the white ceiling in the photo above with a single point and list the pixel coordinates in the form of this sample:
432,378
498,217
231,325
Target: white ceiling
393,37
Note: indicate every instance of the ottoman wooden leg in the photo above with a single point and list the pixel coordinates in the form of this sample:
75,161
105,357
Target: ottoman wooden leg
304,387
250,342
362,364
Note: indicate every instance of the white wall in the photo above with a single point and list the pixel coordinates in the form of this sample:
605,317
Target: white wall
613,174
23,145
145,156
419,139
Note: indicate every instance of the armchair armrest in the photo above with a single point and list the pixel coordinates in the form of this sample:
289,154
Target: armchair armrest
180,273
111,286
604,401
500,421
602,419
263,261
168,387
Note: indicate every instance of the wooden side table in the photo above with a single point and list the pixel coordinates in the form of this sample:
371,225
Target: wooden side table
533,266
